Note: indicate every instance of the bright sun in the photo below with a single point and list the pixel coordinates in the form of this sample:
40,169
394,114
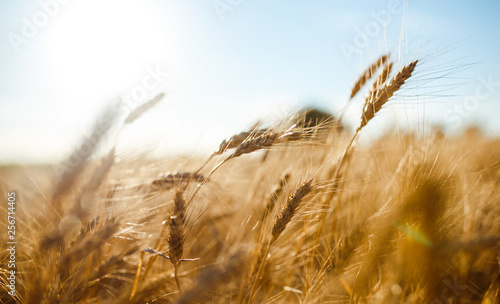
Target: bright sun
101,47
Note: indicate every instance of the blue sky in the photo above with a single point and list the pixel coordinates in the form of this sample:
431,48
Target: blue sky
230,62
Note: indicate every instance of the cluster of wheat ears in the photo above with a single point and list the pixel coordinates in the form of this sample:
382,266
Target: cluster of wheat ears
290,213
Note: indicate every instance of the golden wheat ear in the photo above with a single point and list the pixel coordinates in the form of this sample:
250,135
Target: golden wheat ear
236,140
287,213
173,180
385,93
274,196
176,237
367,74
265,141
381,79
137,112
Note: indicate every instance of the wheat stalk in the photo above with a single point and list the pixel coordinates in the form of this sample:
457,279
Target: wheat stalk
266,140
137,112
94,183
367,74
261,142
237,139
176,237
274,196
289,210
171,180
375,89
385,93
371,108
93,241
281,221
77,161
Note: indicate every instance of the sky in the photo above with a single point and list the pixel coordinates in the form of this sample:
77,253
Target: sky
223,64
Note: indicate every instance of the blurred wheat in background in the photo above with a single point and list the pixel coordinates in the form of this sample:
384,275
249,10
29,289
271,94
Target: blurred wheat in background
291,212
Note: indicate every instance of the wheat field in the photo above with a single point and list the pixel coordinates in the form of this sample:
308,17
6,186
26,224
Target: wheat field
294,212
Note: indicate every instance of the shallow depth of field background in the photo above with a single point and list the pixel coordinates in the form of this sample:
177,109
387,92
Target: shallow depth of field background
230,63
161,209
